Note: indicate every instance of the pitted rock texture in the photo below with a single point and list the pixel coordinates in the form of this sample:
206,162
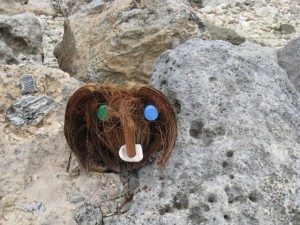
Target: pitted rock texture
263,51
38,7
70,7
53,29
38,185
22,35
88,215
267,22
28,84
7,55
237,157
289,60
124,40
29,110
221,33
48,82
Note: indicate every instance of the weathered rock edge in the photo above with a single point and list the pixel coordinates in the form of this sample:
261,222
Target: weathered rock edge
237,158
123,40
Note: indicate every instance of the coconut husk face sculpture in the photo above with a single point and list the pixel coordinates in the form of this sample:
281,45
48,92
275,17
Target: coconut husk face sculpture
120,125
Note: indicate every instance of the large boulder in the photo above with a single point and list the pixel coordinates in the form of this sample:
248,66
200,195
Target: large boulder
237,158
289,60
121,39
22,38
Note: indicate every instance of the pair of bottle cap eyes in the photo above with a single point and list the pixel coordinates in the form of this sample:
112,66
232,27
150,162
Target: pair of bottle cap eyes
150,112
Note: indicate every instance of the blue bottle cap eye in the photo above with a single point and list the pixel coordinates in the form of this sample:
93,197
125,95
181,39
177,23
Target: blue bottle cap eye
150,112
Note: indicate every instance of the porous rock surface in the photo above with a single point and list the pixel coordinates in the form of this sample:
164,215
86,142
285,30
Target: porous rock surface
70,7
289,60
38,7
28,110
22,39
123,38
221,33
53,29
263,51
267,22
237,156
35,188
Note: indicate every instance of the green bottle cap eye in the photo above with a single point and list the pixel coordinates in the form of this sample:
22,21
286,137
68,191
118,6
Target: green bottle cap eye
102,112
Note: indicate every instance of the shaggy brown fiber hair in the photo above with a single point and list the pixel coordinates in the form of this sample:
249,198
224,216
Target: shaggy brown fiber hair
92,140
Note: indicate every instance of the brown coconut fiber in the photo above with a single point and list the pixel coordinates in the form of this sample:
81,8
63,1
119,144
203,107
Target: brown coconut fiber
92,140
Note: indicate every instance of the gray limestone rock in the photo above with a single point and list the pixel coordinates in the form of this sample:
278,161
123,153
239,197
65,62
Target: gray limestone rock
237,157
33,207
225,34
289,60
287,29
22,34
28,85
6,54
37,7
76,198
196,3
214,2
122,46
88,214
263,51
29,110
68,8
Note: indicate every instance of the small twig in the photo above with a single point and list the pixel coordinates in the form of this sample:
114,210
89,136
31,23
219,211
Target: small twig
129,140
69,162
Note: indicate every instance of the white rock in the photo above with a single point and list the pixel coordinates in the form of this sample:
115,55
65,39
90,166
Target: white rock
207,9
219,10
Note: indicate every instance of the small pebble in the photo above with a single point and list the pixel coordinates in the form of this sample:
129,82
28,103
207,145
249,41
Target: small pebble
33,207
28,84
76,198
287,29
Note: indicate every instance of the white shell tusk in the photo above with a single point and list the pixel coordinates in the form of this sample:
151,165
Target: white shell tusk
138,156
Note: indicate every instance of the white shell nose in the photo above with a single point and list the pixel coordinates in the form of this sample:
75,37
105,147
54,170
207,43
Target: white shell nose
138,156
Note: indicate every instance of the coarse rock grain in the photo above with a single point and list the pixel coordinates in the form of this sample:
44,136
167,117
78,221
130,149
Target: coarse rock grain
124,40
23,35
289,60
267,22
34,185
37,7
237,155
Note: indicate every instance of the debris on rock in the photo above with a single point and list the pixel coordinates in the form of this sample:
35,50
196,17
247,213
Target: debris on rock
34,206
88,214
29,110
28,84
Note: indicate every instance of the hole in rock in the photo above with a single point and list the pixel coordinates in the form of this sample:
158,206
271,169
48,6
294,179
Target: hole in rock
165,209
212,79
229,153
196,129
255,196
163,82
227,217
177,106
180,201
224,164
212,198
